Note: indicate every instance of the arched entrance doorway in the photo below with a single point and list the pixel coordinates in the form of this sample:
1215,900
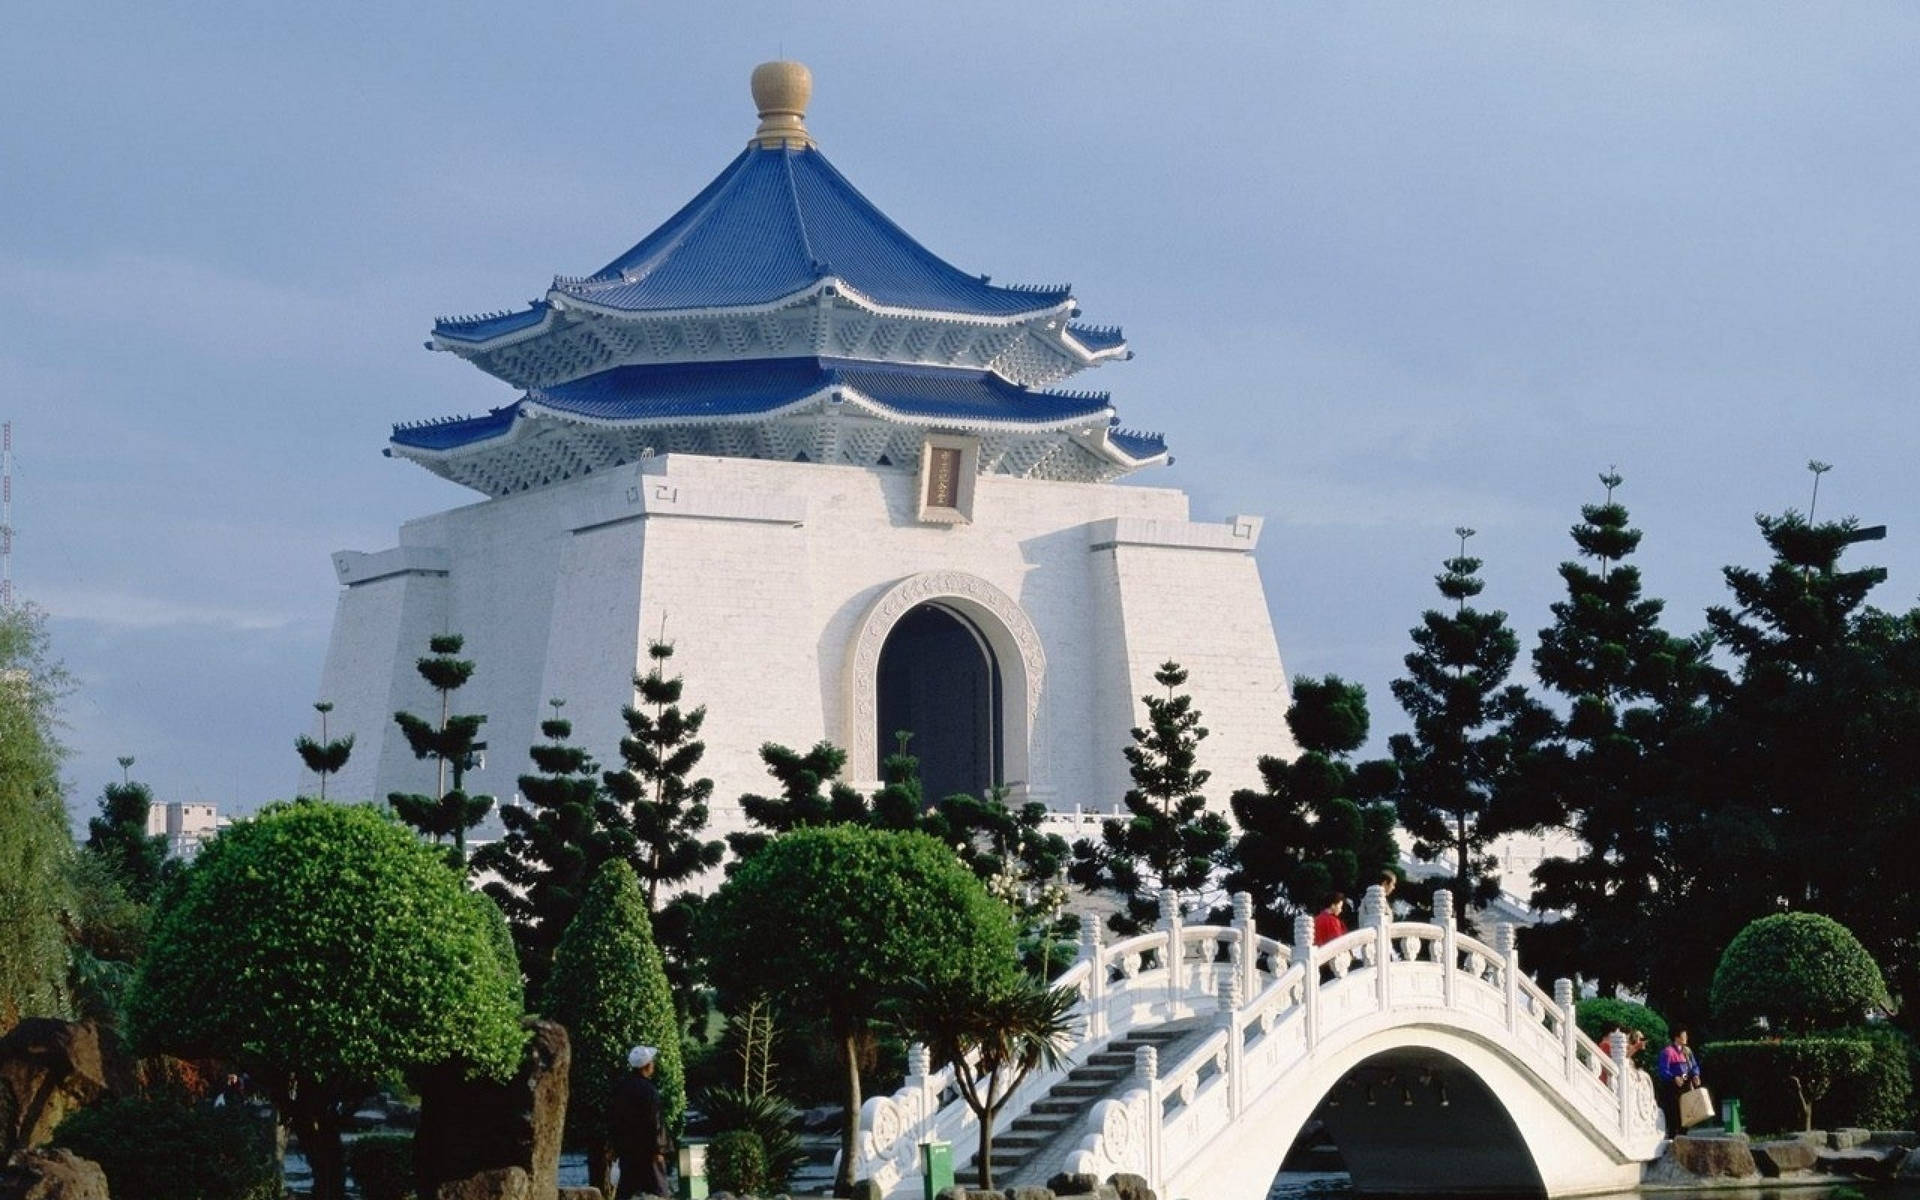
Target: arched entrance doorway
938,679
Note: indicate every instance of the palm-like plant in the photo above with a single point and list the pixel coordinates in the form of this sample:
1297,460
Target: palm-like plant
992,1037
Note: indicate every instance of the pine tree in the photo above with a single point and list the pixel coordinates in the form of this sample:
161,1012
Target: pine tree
1319,827
452,744
553,844
118,837
801,804
1171,842
324,757
1608,771
1467,730
661,811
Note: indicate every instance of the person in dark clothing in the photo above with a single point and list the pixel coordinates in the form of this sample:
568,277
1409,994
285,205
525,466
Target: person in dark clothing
637,1130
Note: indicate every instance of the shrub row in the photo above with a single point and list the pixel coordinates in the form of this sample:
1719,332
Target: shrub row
1859,1077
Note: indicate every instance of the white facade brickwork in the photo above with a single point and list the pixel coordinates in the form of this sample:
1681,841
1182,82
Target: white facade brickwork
766,577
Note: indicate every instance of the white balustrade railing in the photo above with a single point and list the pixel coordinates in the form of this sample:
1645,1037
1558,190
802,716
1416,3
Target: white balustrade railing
1273,1005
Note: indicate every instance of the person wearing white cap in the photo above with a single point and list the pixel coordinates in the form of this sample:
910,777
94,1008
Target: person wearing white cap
636,1130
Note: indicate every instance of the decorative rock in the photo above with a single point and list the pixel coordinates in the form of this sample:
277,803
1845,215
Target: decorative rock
1068,1183
501,1183
1848,1139
867,1189
1905,1139
48,1069
52,1175
957,1192
1030,1193
1715,1157
1785,1156
1862,1163
475,1128
581,1193
1131,1187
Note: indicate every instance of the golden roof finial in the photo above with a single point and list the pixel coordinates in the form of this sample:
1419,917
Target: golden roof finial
781,90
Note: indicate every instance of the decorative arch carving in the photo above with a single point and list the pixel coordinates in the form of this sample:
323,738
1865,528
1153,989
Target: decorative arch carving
1010,634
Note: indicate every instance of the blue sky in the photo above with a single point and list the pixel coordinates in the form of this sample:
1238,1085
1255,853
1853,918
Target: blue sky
1387,269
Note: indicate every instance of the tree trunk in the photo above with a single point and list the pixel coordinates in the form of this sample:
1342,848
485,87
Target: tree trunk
317,1129
985,1164
850,1129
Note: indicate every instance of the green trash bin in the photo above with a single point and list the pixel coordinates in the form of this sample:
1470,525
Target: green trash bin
1730,1115
936,1167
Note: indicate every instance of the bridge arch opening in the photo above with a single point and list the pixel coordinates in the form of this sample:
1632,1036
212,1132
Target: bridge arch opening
1415,1121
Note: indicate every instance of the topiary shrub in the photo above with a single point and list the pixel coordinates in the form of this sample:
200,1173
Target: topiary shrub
1882,1098
766,1116
382,1165
736,1162
1783,1085
1796,973
1595,1013
159,1150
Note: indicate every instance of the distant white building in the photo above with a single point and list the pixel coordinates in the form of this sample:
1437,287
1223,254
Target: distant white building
186,826
837,472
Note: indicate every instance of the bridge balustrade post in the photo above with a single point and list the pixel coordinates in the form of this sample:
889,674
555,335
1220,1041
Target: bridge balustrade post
1377,917
1569,1035
1617,1050
1249,946
1092,952
1309,977
1236,1045
1146,1065
1508,947
1170,923
1449,946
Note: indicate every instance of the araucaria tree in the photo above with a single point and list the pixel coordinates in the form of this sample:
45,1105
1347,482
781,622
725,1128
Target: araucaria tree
1468,728
812,794
609,988
1171,841
661,808
324,757
1610,771
118,838
832,922
553,843
453,744
324,949
35,844
1320,826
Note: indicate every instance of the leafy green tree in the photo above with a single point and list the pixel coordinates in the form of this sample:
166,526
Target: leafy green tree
324,757
324,949
1171,841
831,922
1468,728
453,744
552,845
1595,1015
992,1035
609,988
1797,972
1611,771
35,844
812,794
1319,826
118,837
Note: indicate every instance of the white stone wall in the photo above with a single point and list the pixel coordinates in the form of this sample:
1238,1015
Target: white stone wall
763,574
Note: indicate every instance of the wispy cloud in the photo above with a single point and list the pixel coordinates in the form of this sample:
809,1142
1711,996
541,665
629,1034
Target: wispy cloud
125,611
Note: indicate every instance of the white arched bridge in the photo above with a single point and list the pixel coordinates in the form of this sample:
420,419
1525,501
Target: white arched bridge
1202,1051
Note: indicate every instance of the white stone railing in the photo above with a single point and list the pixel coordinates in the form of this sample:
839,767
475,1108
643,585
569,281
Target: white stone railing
1274,1005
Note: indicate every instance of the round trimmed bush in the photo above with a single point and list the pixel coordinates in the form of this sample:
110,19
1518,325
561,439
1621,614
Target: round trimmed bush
737,1162
1796,972
1595,1013
382,1165
162,1150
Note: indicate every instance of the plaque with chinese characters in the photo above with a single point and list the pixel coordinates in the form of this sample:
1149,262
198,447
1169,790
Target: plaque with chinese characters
943,477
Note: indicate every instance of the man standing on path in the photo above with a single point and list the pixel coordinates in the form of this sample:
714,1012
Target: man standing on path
639,1135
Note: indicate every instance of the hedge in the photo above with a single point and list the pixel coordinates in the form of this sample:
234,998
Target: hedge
1847,1080
160,1150
736,1162
382,1165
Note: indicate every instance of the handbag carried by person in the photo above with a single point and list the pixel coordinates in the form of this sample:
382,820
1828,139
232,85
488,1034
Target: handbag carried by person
1696,1105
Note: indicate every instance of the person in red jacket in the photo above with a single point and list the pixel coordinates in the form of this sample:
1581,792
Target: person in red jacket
1327,925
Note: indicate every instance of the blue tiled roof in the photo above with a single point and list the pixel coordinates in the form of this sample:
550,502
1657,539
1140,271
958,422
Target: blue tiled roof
492,325
777,221
454,432
1138,446
1097,337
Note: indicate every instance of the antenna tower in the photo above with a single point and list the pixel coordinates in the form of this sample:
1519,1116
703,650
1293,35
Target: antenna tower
6,515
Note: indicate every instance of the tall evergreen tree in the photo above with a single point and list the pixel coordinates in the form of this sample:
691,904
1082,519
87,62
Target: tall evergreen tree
553,844
661,809
812,794
1468,725
1171,841
1610,770
1320,826
454,746
324,757
118,837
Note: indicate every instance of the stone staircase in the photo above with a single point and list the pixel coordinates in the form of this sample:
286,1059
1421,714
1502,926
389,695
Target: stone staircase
1033,1148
